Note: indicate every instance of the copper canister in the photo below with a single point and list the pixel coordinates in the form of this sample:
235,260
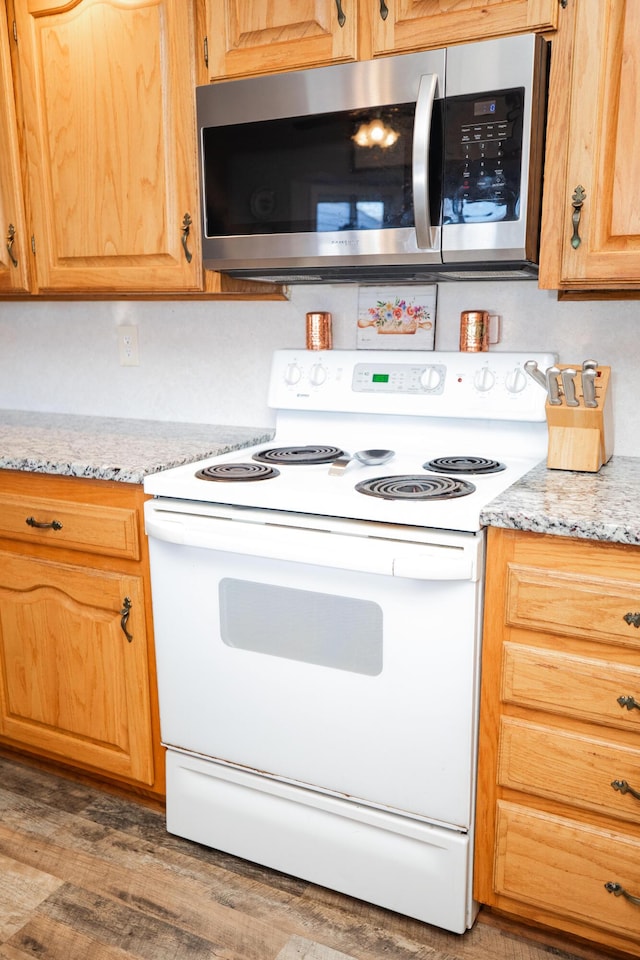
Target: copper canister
319,331
474,331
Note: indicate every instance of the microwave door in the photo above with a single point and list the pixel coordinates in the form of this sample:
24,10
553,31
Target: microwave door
427,234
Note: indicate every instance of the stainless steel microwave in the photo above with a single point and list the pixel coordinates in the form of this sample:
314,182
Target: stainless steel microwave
424,166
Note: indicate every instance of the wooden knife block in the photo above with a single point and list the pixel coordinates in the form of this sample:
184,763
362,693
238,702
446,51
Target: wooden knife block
581,438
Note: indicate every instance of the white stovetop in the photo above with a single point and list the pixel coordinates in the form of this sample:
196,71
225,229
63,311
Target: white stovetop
332,413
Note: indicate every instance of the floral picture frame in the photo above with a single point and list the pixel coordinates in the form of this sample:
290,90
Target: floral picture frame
397,318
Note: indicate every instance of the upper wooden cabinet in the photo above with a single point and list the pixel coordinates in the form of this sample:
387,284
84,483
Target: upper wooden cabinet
250,38
592,175
14,260
109,136
419,24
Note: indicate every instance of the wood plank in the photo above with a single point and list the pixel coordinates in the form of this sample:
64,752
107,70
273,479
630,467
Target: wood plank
22,889
299,948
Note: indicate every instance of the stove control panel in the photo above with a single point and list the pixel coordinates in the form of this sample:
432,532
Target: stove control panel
415,383
399,378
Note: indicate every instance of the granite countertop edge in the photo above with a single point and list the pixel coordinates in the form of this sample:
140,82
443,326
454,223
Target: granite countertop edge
602,506
111,448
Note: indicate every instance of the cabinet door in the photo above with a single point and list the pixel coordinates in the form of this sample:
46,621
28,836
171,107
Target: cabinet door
72,683
14,261
420,24
252,38
600,184
108,99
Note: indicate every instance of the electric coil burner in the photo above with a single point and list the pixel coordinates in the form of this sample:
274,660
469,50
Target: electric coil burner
299,455
415,488
471,465
237,472
320,638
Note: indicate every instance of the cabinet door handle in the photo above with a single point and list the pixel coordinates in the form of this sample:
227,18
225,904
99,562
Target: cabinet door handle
186,228
577,200
124,617
633,619
11,239
341,17
624,787
619,891
384,10
629,703
44,524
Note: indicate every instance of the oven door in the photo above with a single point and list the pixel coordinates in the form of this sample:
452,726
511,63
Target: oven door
319,655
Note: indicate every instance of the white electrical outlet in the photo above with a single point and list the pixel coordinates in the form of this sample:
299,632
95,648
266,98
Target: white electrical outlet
128,346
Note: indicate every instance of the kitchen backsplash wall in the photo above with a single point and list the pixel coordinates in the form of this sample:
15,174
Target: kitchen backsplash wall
208,362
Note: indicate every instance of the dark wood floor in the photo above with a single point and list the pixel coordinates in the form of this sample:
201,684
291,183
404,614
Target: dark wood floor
86,875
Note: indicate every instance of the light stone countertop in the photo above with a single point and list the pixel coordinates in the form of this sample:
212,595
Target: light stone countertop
107,448
593,506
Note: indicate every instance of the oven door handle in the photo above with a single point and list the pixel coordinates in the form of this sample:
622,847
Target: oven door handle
414,561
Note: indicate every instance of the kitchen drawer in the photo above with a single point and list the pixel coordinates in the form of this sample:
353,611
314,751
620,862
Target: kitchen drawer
570,767
562,866
107,530
572,605
571,685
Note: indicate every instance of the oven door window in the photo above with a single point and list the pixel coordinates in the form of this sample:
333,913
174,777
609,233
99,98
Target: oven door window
344,633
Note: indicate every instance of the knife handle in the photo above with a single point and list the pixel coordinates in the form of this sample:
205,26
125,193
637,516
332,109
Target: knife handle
589,387
569,387
531,367
553,391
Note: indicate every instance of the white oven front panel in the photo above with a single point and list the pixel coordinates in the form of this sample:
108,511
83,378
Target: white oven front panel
356,684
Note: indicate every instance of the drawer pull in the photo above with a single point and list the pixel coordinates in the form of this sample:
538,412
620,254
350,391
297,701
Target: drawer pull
624,787
632,619
124,617
629,703
44,525
619,891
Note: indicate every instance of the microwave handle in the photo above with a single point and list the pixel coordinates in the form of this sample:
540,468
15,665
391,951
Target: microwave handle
421,142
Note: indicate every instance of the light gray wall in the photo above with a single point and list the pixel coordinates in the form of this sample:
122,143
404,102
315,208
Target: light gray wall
205,361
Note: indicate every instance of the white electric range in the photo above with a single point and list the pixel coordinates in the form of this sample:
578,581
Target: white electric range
318,621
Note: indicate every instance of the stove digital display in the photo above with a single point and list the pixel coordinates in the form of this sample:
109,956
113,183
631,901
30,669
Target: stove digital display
380,378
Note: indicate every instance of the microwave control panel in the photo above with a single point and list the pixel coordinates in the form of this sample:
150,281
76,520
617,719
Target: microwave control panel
483,156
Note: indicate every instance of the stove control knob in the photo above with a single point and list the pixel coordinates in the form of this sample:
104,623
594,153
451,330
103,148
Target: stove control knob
516,380
292,374
484,379
317,374
430,378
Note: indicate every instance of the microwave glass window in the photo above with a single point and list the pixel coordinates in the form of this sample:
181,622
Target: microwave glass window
350,170
349,215
483,157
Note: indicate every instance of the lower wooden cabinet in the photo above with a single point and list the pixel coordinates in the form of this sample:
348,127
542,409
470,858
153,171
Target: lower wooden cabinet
77,677
558,818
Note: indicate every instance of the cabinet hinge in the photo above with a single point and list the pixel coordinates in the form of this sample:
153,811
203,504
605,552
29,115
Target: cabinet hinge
15,32
33,244
206,51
